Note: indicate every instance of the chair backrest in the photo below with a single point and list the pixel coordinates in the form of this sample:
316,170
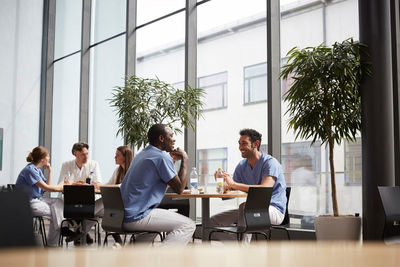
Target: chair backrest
16,224
286,219
390,197
78,201
114,211
256,211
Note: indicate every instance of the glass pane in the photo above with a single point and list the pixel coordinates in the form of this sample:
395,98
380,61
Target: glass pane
161,54
215,90
65,121
310,197
226,44
353,162
68,27
149,10
107,71
108,19
258,89
20,73
257,70
161,37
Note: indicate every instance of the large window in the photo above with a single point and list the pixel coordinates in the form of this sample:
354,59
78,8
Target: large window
1,149
255,83
209,160
68,27
65,120
215,87
352,157
301,162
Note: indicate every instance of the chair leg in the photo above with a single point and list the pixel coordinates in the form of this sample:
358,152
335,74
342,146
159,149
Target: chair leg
287,232
239,236
106,239
42,230
209,235
161,237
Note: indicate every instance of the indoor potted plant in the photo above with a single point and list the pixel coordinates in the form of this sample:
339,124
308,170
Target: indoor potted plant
324,102
143,102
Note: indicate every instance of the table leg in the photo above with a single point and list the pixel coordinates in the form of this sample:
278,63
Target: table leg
83,238
205,218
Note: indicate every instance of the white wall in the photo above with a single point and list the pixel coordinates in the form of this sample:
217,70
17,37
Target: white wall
20,54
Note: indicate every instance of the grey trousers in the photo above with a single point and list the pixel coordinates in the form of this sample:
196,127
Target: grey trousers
179,228
52,209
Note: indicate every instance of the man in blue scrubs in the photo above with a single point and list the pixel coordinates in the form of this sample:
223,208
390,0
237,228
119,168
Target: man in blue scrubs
145,183
254,170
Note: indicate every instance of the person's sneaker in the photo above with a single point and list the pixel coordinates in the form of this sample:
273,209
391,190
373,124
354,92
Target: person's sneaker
89,239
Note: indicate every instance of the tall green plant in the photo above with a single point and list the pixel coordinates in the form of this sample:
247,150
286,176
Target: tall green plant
324,100
144,102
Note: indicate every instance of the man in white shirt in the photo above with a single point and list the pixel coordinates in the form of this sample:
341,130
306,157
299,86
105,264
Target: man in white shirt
77,171
80,168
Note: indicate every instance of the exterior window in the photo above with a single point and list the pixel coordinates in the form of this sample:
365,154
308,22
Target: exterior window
179,85
255,83
1,149
352,167
301,163
209,160
215,90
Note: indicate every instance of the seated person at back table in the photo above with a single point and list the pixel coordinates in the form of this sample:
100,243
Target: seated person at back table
144,185
255,169
77,171
31,177
123,158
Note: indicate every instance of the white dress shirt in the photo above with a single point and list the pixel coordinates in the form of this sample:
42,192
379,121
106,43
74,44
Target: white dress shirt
81,174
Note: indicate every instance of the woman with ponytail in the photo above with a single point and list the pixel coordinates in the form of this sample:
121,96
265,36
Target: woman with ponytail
31,177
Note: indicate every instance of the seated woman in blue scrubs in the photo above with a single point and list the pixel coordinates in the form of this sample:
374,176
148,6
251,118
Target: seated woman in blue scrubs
31,177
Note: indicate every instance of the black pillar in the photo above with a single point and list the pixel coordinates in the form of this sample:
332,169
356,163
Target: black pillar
377,113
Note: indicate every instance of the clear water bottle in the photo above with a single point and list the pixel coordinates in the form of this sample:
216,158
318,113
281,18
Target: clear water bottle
194,181
219,179
89,179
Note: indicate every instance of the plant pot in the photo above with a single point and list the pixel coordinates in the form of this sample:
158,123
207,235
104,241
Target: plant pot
344,227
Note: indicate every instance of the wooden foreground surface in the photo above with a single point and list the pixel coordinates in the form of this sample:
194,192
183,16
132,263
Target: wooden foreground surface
260,254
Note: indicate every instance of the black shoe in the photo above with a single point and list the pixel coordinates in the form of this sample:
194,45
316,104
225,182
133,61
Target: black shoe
77,242
65,231
75,236
89,239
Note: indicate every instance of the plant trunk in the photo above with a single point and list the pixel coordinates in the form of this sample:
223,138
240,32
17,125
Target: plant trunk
331,142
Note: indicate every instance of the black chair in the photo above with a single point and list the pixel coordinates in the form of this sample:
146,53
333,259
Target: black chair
38,226
114,213
390,197
38,221
256,214
16,224
286,220
79,203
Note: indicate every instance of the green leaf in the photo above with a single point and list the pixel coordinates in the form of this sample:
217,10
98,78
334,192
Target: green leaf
143,102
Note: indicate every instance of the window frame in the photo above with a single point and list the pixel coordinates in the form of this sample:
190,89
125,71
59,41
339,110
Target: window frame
224,90
247,81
